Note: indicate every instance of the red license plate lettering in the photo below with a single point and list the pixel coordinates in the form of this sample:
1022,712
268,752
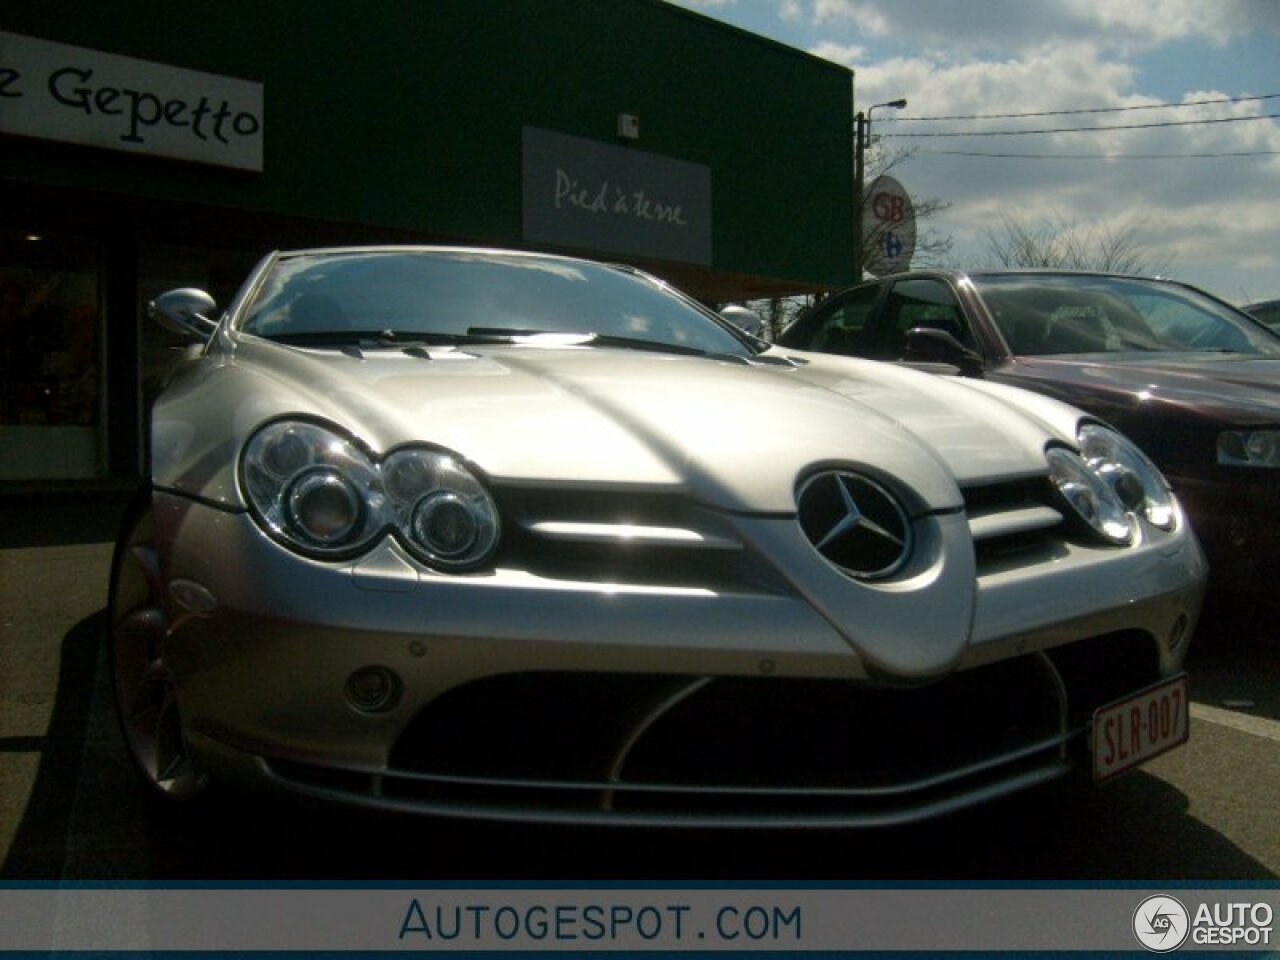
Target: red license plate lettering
1133,730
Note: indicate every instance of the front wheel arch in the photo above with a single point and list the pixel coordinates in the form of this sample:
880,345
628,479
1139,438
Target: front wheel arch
144,691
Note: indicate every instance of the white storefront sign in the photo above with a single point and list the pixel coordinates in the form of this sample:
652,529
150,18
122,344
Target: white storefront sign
53,91
598,196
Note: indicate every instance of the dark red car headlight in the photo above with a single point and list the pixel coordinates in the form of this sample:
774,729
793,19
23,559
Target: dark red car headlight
1249,448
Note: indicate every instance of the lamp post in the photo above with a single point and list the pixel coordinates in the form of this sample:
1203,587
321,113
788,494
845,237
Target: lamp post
862,140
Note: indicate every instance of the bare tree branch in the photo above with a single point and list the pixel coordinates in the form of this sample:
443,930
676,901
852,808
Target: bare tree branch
1058,242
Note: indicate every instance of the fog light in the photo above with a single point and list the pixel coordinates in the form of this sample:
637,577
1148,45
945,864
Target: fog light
373,689
1178,633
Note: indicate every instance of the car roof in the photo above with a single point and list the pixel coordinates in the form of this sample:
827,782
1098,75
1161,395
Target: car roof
957,273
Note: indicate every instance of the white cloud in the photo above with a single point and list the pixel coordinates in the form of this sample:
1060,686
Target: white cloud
1158,21
972,28
1213,218
1047,78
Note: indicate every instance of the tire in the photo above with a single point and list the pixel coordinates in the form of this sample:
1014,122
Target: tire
145,694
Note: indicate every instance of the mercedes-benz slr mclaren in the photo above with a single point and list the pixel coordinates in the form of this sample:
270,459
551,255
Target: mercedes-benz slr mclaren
503,534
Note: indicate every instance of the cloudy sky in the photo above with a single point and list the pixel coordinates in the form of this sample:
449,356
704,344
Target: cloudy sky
1198,184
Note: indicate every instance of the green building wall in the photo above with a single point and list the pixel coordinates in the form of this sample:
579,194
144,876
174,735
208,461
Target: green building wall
408,115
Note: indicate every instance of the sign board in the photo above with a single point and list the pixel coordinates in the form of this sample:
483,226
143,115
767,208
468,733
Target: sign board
888,228
597,196
53,91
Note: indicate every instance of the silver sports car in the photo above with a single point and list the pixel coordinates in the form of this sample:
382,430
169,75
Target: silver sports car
510,535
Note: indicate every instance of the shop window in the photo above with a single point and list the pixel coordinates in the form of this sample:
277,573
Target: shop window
50,366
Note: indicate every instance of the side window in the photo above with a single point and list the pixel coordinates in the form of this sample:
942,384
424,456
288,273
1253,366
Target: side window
920,303
844,325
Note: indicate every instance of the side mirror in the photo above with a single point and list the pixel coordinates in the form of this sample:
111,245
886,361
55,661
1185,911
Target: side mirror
186,311
931,345
746,320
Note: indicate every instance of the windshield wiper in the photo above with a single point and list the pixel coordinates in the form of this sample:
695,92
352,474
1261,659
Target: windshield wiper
400,339
367,338
577,337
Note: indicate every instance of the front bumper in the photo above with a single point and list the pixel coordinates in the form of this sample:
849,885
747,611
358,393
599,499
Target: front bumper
538,698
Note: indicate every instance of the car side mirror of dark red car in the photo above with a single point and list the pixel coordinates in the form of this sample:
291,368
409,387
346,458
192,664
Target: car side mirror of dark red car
931,345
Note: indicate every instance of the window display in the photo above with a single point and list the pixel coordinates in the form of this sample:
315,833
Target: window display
50,371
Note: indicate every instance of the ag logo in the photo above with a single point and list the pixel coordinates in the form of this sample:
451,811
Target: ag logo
1161,924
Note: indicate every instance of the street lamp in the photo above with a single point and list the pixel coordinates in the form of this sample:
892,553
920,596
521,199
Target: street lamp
862,140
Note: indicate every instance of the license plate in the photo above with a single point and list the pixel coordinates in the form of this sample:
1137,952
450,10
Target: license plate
1133,730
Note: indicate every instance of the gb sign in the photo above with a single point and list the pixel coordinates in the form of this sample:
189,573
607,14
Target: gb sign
888,228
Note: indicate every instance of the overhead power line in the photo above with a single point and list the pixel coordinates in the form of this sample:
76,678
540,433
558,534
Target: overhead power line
898,118
1099,156
1117,126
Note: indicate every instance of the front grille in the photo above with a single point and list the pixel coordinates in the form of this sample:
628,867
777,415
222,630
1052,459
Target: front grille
620,536
1012,519
663,539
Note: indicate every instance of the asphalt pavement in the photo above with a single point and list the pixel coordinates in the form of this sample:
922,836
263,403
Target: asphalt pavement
55,557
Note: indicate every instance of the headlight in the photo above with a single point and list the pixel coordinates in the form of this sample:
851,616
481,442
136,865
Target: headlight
312,488
445,512
1090,496
321,494
1249,448
1137,482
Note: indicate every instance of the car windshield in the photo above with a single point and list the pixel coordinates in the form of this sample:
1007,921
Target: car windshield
404,296
1078,314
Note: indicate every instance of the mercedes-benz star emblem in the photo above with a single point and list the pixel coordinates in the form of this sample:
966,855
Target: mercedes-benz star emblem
855,523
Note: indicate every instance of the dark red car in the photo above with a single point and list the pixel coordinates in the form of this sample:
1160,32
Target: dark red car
1194,381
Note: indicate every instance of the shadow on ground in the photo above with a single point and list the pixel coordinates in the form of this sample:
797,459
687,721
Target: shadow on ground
39,521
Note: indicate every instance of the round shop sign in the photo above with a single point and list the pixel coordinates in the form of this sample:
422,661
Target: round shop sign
888,228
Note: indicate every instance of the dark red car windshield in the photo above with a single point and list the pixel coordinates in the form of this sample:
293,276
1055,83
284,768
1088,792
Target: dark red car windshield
1075,314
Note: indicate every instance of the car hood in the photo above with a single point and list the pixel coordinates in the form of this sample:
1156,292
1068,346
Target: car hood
1228,387
735,435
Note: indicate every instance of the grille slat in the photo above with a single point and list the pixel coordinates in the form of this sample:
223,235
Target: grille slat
631,534
993,523
1013,522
